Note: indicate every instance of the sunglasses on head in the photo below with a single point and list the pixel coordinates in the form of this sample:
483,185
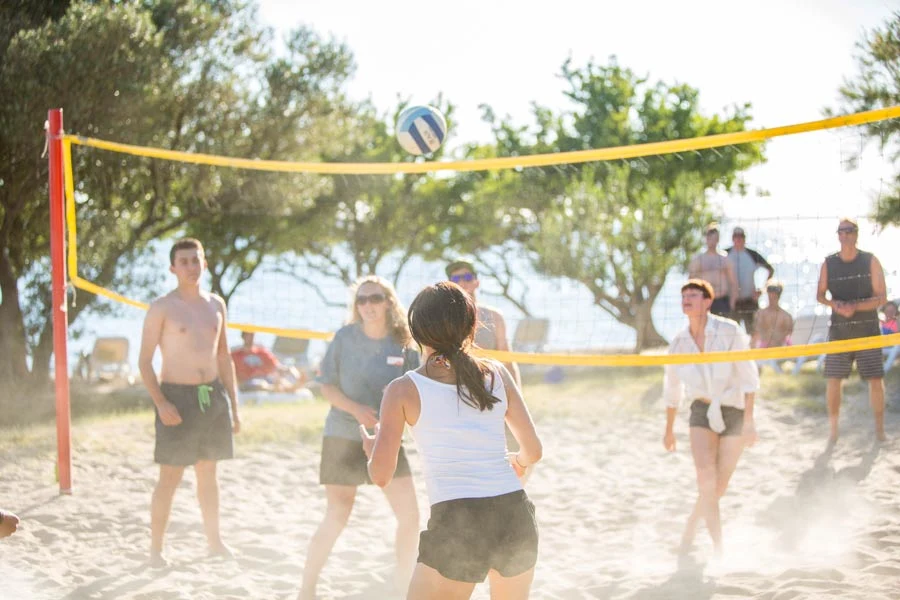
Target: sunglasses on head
773,288
463,277
847,230
370,299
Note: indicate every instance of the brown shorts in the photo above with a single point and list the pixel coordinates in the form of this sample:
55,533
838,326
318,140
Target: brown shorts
344,462
734,418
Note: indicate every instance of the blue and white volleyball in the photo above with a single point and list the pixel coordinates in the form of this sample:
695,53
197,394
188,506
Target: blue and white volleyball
421,129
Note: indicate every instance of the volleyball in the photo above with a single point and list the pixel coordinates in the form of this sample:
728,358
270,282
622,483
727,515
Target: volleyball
421,129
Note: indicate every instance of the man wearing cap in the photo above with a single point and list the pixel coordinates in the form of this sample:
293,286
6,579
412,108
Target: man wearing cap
713,266
851,283
491,331
745,263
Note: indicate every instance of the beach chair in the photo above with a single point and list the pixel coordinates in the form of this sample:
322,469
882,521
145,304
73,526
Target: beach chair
108,361
531,335
292,352
810,329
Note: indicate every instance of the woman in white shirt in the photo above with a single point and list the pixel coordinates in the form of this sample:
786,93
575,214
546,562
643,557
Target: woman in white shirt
721,395
482,523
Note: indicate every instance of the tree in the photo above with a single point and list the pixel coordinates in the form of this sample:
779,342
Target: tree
179,75
618,228
380,221
877,85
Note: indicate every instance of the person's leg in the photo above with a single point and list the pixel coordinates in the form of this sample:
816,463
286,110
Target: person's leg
401,495
833,397
730,449
208,498
704,448
339,500
160,508
428,584
510,588
876,398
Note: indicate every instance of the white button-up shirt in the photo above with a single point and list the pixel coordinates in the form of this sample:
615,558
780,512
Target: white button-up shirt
722,383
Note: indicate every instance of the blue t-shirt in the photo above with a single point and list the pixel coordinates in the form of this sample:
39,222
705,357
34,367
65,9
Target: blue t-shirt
361,367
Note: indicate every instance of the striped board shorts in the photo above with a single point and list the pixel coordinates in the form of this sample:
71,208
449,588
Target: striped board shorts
868,363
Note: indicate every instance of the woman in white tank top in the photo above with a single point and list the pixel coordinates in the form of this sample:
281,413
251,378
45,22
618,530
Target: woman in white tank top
482,523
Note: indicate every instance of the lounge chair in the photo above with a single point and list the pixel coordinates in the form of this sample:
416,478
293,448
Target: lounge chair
108,361
531,335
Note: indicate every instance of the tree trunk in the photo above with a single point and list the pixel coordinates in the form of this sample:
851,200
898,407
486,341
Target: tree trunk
13,349
647,335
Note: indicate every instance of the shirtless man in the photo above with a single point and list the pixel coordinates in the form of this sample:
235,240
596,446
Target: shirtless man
194,422
713,266
772,325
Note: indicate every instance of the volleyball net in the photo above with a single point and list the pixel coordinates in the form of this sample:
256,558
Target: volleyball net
301,293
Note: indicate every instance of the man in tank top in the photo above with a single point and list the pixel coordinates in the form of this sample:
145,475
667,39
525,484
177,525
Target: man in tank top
851,283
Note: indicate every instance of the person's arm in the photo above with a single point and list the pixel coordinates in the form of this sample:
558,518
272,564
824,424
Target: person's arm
822,289
732,284
226,367
748,382
673,391
150,337
366,415
761,262
502,343
693,267
383,447
520,424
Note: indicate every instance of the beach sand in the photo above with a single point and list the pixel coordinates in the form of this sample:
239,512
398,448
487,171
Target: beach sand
799,522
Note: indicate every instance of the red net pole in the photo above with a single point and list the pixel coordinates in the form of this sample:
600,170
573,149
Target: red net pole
59,312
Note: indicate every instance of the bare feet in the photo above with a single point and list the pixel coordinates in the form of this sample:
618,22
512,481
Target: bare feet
158,561
306,595
879,435
221,551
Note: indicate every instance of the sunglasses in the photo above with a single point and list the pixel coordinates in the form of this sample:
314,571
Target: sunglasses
847,230
370,299
773,289
463,277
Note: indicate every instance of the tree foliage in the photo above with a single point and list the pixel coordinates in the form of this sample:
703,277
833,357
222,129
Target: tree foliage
617,227
877,85
187,75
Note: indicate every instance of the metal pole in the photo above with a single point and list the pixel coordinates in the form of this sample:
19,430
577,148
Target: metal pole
59,308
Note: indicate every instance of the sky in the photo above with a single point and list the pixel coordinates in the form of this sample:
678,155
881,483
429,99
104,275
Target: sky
786,57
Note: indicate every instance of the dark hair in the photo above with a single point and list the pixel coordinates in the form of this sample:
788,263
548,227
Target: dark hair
184,244
701,285
443,317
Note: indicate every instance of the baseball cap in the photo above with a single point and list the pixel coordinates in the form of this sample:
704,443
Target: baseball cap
738,231
458,264
712,227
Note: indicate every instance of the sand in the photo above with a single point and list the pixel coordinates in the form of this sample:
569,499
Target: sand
799,522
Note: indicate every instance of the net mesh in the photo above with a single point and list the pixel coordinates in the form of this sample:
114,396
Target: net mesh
284,271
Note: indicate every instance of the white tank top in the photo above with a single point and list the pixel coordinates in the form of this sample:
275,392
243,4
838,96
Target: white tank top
463,448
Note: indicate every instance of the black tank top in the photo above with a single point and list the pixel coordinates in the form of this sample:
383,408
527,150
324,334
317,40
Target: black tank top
850,282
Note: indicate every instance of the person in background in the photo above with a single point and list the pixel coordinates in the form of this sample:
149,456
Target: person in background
722,396
713,266
889,323
772,325
745,262
257,368
365,355
851,283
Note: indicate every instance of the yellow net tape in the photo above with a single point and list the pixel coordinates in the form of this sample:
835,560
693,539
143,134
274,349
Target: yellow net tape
507,162
602,154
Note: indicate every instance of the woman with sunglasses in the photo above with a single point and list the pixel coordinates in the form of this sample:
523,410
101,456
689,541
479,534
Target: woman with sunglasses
364,356
482,523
